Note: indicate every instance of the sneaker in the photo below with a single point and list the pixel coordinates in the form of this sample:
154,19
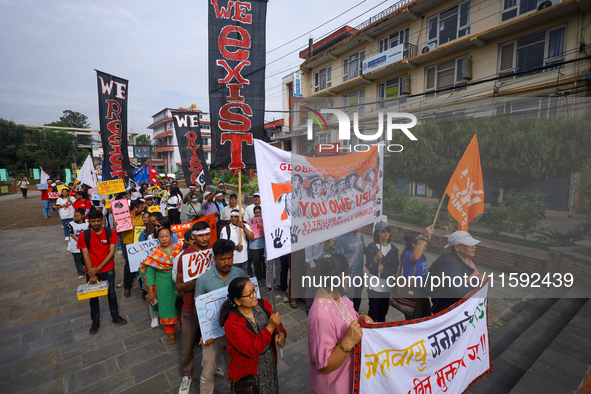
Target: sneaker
269,290
67,238
94,328
219,371
119,320
284,297
155,323
80,276
185,385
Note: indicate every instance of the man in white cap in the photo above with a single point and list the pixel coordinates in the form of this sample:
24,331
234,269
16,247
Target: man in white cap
232,233
193,190
225,214
452,265
249,211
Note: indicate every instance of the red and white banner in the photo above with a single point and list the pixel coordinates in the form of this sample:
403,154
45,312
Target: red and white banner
443,353
309,200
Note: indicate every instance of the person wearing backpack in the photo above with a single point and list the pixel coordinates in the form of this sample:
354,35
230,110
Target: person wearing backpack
98,248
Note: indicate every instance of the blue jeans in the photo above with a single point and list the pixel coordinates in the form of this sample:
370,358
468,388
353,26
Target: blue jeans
95,310
47,207
65,224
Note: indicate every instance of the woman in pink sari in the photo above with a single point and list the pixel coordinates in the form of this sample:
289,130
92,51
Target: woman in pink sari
333,332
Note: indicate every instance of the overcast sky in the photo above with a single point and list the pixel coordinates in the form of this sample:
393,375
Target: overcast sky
49,50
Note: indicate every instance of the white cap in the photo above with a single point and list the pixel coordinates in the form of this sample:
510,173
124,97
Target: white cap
256,194
148,196
461,238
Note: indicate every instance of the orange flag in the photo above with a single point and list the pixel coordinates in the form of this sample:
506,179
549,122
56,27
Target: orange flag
466,187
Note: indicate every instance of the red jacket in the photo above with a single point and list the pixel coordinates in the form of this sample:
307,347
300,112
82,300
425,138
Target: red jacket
244,346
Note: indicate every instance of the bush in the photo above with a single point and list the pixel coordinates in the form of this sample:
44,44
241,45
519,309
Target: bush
394,198
556,238
251,186
521,210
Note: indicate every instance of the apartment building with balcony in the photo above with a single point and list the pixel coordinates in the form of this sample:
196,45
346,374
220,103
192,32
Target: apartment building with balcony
437,58
167,158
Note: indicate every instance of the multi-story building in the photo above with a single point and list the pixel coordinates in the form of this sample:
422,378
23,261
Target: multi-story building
167,158
438,57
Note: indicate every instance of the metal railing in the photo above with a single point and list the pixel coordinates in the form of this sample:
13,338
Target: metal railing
383,14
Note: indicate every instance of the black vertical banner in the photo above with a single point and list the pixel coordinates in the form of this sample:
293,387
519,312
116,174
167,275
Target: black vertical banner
188,136
112,95
236,80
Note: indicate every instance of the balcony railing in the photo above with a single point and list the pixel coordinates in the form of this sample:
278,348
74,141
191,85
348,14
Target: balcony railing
383,14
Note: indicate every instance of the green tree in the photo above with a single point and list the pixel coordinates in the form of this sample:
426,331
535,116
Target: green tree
513,152
143,139
72,119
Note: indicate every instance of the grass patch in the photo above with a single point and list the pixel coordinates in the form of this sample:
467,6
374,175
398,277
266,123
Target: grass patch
511,240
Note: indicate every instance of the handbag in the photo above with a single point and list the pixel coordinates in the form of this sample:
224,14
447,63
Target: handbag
246,385
402,297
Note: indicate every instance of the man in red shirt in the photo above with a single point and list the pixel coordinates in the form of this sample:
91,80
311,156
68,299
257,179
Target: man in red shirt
47,203
190,333
100,265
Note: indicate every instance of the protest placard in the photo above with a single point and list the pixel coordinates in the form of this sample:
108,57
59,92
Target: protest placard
154,208
256,225
94,194
121,215
197,263
53,195
61,187
452,348
137,231
208,310
313,199
138,252
113,186
179,229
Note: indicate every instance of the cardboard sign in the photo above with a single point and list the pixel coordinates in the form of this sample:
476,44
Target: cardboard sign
154,208
208,310
121,215
138,252
107,203
113,186
179,229
256,226
61,187
95,195
4,189
196,264
53,195
137,231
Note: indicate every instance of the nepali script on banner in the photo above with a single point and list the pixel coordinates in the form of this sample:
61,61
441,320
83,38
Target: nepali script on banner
237,57
444,353
188,136
310,200
112,97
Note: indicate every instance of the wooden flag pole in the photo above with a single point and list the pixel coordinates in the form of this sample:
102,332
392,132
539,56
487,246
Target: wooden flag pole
438,209
240,204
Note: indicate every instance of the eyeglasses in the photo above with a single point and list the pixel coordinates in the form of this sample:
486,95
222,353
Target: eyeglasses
252,294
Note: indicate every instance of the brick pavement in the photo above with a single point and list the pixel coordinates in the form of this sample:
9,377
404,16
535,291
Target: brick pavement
44,340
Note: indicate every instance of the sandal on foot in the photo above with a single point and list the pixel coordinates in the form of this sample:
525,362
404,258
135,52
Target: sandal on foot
293,304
